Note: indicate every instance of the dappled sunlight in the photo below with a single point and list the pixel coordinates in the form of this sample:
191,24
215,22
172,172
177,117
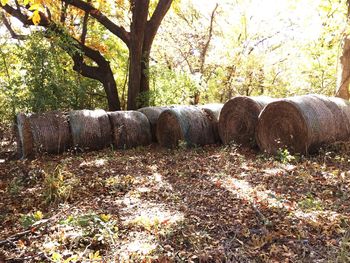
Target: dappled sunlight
94,163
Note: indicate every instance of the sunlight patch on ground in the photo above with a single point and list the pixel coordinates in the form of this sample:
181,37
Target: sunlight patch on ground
140,244
95,163
145,212
246,191
315,216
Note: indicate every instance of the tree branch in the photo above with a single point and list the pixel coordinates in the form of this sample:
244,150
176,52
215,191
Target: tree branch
10,29
206,46
155,21
84,31
119,31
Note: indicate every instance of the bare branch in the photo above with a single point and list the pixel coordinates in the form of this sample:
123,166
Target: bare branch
210,35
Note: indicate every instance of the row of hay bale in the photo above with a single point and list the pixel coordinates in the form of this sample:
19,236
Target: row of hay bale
301,124
56,132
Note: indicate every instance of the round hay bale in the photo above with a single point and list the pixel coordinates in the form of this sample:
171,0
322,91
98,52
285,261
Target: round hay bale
213,110
24,136
301,124
130,129
189,124
239,118
90,129
152,114
51,132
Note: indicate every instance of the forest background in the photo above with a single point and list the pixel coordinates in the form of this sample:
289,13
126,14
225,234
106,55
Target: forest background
201,53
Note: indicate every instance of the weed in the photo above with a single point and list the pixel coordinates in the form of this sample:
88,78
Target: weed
120,183
58,185
99,228
310,203
15,186
29,219
344,250
284,156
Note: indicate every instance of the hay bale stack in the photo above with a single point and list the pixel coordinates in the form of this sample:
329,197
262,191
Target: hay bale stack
130,129
239,118
301,124
24,136
50,132
214,110
189,124
152,114
90,129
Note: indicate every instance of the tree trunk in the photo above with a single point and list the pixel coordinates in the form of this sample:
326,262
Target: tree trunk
111,91
137,33
144,84
344,74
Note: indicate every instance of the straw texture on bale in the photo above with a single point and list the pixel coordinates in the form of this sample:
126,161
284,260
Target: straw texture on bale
24,136
302,124
239,118
130,129
213,110
152,114
189,124
90,129
50,132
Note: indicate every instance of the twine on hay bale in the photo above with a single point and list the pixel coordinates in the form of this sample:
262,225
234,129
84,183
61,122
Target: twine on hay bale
189,124
50,132
130,129
303,123
152,114
24,136
239,118
90,129
213,110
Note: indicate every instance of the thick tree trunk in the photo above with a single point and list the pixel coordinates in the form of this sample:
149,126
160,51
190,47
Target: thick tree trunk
137,33
344,74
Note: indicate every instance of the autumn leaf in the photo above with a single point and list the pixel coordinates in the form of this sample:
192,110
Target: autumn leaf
3,2
35,17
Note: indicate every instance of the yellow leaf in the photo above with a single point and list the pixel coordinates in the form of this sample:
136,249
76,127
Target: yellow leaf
25,2
38,215
95,256
34,7
105,218
3,2
35,17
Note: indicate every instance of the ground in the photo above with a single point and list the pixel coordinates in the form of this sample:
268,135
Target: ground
210,204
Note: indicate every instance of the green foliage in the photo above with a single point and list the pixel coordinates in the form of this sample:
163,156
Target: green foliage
101,228
310,203
15,186
29,219
170,87
284,156
37,76
51,83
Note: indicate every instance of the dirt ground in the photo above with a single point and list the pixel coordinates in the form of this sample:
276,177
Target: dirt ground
210,204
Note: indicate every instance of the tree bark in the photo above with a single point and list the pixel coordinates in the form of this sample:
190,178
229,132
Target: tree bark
111,91
140,51
137,33
344,74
